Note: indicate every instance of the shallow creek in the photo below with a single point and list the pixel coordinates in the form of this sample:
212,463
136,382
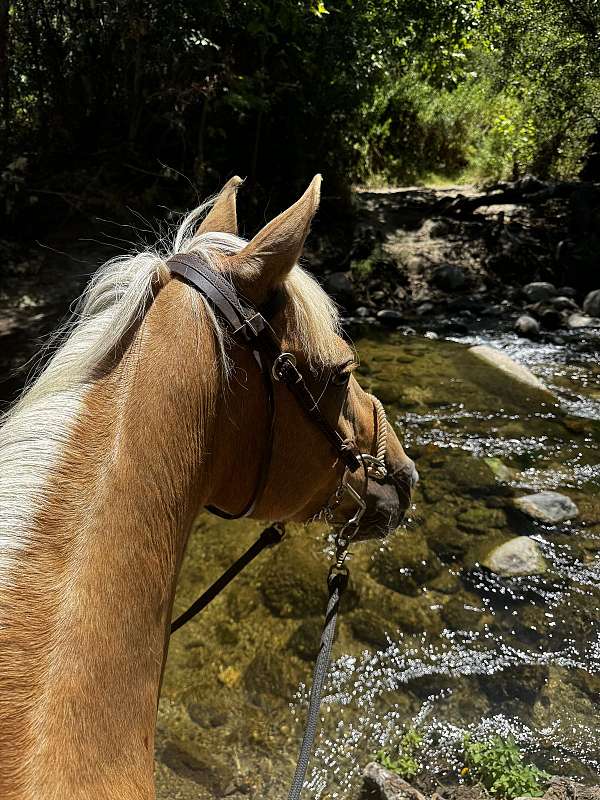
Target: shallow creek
428,638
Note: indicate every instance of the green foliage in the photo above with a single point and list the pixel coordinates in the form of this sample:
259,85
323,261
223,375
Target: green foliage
498,765
279,89
404,760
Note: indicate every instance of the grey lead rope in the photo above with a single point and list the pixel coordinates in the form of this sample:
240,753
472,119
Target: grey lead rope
337,581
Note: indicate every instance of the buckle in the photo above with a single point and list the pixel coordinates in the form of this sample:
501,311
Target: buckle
283,362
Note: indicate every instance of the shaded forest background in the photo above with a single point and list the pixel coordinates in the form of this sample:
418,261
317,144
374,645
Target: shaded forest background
107,104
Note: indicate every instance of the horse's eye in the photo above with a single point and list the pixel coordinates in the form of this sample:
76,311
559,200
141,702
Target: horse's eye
341,378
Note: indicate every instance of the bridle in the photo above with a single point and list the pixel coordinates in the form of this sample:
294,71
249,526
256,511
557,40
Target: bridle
251,326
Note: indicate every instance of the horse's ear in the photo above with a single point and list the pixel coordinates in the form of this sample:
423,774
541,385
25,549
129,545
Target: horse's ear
222,218
276,248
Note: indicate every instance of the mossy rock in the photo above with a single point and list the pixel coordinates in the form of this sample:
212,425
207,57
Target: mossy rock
207,715
472,476
270,678
463,612
369,627
201,766
445,539
519,682
294,582
447,582
305,640
414,615
390,612
406,564
480,519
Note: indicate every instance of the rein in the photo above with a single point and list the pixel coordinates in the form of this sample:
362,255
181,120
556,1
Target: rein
251,326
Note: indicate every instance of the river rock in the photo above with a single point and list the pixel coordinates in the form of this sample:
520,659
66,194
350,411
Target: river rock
583,321
527,326
380,783
539,290
449,278
199,765
520,378
566,789
564,303
406,563
591,304
293,582
517,557
549,507
551,319
389,317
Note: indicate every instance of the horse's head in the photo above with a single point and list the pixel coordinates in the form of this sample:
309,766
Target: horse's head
304,473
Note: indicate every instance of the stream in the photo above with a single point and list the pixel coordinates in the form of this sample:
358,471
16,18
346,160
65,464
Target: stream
428,638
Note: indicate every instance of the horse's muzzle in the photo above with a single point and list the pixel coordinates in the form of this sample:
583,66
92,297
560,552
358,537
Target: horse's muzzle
387,502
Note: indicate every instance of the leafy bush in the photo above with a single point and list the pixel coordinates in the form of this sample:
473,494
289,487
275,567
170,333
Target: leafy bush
498,765
404,760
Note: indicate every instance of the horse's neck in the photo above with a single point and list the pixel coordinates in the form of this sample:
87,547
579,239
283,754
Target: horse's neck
91,604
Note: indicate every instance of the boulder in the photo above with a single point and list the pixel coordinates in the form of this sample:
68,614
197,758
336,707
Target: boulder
591,304
511,378
539,290
380,783
549,507
517,557
527,326
449,278
583,321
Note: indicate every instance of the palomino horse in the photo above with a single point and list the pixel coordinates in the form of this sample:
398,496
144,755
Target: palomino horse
147,412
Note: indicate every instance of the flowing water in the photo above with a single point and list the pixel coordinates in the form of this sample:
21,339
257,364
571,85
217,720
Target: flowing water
428,638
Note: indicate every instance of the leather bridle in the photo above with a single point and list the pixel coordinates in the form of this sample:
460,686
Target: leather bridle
251,326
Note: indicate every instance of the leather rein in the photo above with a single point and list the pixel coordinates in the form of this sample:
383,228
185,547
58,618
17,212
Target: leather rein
252,326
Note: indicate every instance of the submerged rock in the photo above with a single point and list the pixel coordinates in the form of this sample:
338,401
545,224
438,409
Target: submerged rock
549,507
517,557
201,766
383,784
293,582
406,564
479,519
519,377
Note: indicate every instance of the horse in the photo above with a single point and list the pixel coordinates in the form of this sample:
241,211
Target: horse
147,411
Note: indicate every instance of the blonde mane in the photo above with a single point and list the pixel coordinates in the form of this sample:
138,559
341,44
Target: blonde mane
35,431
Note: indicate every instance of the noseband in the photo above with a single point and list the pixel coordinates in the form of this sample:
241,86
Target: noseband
251,326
